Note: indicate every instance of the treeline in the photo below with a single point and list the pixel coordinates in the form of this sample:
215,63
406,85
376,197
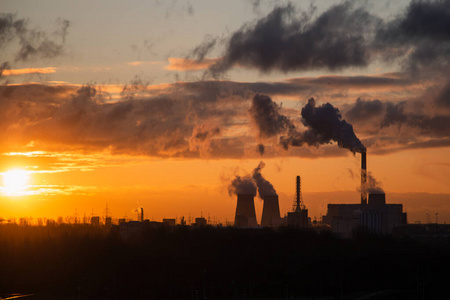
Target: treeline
182,262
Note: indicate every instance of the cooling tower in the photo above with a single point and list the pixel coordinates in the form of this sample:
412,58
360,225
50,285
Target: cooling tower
363,178
245,211
271,212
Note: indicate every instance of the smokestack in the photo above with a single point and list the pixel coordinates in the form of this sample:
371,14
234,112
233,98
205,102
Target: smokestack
245,211
142,214
271,212
363,178
297,207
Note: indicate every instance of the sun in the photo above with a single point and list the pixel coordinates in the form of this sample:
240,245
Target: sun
15,182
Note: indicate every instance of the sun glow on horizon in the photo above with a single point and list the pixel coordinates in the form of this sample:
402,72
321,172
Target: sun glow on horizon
15,182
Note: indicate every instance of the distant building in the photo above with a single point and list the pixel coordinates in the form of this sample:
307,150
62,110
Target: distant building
169,222
108,221
95,221
200,221
298,219
376,216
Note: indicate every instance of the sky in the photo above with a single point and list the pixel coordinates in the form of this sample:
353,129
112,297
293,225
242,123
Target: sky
108,106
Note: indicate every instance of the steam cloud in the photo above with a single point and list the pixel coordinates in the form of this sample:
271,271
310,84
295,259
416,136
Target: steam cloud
324,124
242,186
249,184
265,188
372,186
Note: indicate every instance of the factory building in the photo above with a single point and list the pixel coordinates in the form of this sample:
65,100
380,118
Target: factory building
373,215
200,221
376,216
245,211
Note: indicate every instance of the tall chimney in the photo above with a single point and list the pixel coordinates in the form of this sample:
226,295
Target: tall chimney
245,211
271,212
142,214
363,178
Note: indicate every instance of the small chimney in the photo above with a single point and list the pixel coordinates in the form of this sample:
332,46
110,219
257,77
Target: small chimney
363,178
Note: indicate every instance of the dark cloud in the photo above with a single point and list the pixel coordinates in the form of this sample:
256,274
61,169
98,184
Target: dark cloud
260,148
286,41
345,35
34,44
443,98
365,110
421,34
265,113
207,119
412,145
377,115
201,50
389,80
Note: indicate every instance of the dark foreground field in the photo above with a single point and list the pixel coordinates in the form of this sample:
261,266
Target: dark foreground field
82,262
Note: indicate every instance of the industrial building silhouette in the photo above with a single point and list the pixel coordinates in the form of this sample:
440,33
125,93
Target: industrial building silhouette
373,214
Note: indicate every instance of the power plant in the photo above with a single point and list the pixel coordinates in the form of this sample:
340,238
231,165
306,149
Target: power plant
371,214
246,217
374,215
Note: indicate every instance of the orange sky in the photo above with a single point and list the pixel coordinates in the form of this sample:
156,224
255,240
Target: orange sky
166,111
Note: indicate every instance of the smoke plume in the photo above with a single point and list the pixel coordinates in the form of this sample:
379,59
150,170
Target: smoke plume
33,43
324,124
284,40
265,188
242,186
250,183
372,186
265,114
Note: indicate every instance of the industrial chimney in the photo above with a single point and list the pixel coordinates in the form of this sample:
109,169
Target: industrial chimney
271,212
245,211
363,178
142,214
299,215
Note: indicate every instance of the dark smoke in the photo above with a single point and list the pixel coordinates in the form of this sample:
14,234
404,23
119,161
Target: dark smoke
287,41
260,148
265,114
265,188
324,124
376,115
421,34
33,43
